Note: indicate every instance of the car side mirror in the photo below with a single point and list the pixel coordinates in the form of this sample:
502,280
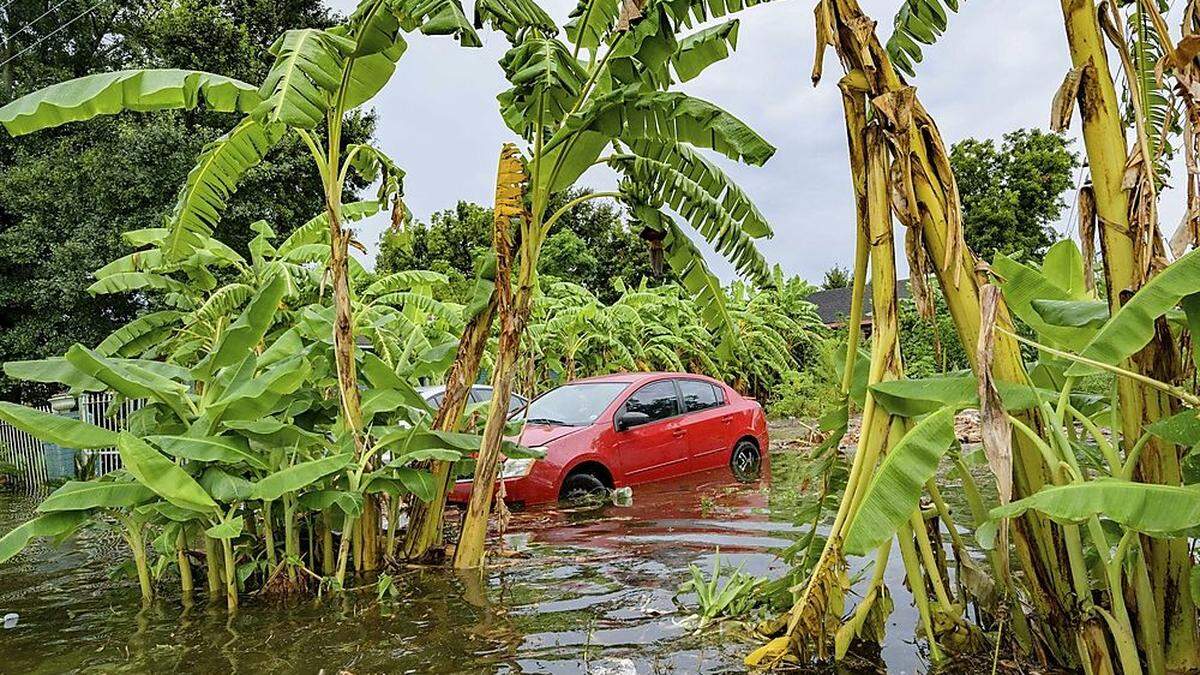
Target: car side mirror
628,420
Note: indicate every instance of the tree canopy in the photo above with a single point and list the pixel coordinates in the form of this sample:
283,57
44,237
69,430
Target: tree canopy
67,194
1013,191
593,246
836,277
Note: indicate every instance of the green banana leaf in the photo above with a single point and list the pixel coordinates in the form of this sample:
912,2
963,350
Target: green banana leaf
226,529
249,328
139,90
1072,313
1156,510
131,380
299,476
227,449
49,525
351,503
94,494
1182,428
420,483
1132,327
57,429
912,398
895,491
224,486
162,475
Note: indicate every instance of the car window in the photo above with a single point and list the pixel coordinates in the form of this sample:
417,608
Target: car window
515,403
656,399
698,395
436,400
576,404
481,395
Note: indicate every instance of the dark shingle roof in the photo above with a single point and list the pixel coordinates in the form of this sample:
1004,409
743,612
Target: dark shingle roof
833,305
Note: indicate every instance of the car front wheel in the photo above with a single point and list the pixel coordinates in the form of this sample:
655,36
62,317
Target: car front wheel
579,487
746,462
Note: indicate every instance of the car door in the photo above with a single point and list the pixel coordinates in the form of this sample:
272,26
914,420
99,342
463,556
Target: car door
657,449
707,421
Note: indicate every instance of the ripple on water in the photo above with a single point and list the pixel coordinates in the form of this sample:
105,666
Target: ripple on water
595,590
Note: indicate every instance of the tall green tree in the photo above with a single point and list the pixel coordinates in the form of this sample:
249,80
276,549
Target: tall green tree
67,194
1012,192
836,277
594,247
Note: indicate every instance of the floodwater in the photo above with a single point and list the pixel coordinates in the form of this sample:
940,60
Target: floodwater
589,591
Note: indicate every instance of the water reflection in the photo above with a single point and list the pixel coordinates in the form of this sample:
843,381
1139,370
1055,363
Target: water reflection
583,590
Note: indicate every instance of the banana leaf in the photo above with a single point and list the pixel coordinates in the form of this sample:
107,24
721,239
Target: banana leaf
1132,327
227,449
895,491
109,93
226,529
162,475
57,429
1156,510
298,476
94,494
49,525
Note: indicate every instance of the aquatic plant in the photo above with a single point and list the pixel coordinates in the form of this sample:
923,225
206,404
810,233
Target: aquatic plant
726,593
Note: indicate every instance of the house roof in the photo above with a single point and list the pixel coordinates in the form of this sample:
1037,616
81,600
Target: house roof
833,305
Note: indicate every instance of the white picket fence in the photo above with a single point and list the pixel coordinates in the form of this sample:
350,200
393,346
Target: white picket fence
27,452
94,408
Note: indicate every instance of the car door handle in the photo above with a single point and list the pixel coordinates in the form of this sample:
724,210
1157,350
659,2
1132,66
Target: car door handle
679,433
727,419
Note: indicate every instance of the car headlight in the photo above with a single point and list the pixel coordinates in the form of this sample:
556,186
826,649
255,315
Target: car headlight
516,468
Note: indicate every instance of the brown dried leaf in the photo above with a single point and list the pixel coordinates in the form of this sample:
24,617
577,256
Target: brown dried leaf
918,265
995,428
1063,106
824,20
1087,234
631,11
1188,48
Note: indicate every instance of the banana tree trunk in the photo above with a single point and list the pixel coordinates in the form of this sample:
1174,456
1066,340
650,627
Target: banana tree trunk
343,329
931,204
514,313
1122,244
513,310
425,520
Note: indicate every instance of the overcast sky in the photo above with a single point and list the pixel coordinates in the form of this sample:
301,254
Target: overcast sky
995,70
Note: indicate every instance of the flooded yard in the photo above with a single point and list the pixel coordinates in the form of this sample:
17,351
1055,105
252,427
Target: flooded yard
585,590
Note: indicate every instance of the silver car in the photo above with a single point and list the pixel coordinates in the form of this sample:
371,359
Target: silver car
480,393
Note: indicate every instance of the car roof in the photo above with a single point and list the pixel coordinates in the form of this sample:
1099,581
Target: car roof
638,378
434,389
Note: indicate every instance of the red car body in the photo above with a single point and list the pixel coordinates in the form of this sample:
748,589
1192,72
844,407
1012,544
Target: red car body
666,447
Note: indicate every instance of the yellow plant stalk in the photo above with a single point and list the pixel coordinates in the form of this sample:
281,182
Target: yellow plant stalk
928,200
513,311
1131,248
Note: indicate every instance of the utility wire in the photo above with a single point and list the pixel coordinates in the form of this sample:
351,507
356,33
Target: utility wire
51,34
27,26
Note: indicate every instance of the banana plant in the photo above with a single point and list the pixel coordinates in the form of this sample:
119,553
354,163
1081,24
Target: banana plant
607,87
317,78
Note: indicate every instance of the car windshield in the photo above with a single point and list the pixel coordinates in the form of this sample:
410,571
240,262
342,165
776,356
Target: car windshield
573,405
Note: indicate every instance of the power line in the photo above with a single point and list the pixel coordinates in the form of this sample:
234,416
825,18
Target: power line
51,34
26,27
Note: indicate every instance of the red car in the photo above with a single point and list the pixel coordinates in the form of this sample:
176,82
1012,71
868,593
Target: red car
631,428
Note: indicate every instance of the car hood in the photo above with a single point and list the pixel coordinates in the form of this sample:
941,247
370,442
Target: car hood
542,434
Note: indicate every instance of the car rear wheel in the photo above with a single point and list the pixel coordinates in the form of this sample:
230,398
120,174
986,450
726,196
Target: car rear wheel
580,487
746,462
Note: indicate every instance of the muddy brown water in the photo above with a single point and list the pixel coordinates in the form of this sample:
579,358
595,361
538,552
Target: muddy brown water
593,591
